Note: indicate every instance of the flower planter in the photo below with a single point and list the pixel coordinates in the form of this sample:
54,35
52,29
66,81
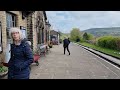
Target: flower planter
3,71
2,74
36,58
50,46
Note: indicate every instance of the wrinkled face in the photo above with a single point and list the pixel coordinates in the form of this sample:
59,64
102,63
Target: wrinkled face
16,36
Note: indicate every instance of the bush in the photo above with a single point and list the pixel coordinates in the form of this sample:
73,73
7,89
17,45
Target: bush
91,41
87,36
118,43
111,42
75,34
82,40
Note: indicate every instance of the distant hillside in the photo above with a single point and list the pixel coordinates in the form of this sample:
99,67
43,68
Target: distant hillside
114,31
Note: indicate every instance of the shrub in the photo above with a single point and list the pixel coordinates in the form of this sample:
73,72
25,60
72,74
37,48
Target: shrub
111,42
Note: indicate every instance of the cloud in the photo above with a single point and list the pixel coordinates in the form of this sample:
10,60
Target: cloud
66,20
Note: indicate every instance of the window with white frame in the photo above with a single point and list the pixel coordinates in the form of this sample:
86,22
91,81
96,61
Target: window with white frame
10,21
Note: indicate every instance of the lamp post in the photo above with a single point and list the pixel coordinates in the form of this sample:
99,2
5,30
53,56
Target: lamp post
49,25
58,37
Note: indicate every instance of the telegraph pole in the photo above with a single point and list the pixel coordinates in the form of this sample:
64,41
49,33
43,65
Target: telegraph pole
58,37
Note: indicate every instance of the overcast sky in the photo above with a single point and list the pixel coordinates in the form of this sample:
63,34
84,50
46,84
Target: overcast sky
64,21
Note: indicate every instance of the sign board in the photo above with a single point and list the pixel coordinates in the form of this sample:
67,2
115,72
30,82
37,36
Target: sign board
23,29
24,33
8,53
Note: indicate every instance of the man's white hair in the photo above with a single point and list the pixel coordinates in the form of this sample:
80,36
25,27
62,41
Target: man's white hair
13,30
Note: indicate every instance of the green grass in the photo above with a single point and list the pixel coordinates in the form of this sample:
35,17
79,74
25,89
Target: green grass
111,52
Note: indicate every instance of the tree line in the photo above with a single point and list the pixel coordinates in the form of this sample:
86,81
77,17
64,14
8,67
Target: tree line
111,42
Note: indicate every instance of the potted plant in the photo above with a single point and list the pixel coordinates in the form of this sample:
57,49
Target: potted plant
3,70
36,55
50,44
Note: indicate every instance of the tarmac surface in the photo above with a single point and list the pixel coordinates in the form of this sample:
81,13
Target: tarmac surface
81,64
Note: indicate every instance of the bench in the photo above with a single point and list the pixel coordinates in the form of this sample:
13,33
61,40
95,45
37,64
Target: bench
42,49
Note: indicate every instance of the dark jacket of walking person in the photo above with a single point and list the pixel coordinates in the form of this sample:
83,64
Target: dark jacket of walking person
66,43
21,56
69,40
